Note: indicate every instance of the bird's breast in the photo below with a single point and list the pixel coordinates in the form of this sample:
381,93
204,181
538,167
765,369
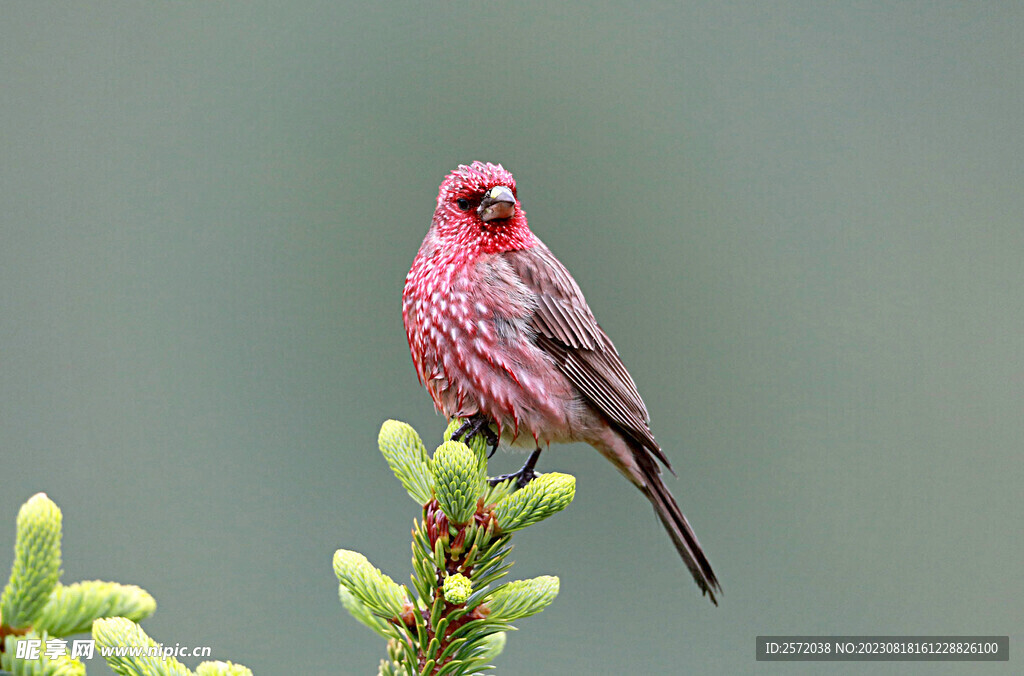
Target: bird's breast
472,342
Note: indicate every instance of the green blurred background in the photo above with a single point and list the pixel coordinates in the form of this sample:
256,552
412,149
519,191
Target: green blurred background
800,222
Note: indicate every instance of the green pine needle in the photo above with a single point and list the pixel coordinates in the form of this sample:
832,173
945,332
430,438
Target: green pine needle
359,611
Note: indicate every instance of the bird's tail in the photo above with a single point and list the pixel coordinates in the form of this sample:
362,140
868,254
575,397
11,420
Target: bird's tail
682,535
642,469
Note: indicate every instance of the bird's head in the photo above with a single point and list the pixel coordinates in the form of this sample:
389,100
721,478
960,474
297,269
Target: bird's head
477,204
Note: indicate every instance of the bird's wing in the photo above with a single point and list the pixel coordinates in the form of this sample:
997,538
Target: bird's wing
566,330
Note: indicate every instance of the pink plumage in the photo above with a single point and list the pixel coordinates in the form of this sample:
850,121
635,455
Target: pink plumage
498,328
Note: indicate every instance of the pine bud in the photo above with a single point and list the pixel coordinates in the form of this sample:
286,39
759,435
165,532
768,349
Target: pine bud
539,499
402,447
72,608
522,598
458,483
36,562
374,589
457,589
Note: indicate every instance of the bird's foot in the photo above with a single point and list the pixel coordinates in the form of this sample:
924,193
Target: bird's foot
523,475
478,425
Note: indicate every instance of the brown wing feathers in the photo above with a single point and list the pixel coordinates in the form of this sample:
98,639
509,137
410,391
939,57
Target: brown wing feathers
567,330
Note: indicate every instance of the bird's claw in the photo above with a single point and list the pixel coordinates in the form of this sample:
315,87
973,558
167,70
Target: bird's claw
523,475
477,425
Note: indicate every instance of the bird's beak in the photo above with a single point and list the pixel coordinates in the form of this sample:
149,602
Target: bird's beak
498,203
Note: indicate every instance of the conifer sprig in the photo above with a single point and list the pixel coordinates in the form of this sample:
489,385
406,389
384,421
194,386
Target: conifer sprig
452,622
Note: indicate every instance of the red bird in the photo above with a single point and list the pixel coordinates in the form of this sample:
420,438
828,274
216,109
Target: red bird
500,333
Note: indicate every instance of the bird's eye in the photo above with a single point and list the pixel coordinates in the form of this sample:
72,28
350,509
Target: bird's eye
463,203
